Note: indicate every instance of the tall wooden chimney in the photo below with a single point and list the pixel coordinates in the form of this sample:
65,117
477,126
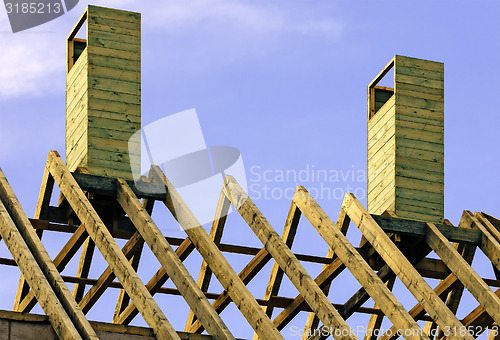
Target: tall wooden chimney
103,93
406,141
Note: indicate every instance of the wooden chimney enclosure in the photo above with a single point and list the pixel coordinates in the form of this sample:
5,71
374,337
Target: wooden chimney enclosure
103,93
406,141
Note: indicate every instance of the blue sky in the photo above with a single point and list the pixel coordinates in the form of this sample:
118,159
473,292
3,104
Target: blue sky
282,81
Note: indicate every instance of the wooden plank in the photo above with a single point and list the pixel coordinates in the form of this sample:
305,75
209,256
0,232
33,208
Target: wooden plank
60,261
421,145
380,191
102,83
408,275
469,278
246,275
419,73
454,296
111,22
170,261
123,299
95,40
115,14
490,243
76,77
358,267
127,117
276,276
123,74
418,228
383,117
41,210
420,127
226,275
112,124
114,95
433,177
421,95
419,210
373,327
426,104
115,106
61,323
420,120
112,145
105,279
83,268
419,185
96,229
113,65
420,64
416,134
419,81
216,232
156,282
282,254
312,321
381,146
106,52
24,229
98,29
417,164
418,195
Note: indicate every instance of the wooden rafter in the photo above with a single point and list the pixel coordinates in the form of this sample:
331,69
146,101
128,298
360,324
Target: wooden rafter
40,213
297,274
156,282
344,250
216,231
463,271
39,270
276,277
60,261
103,240
107,277
171,262
312,321
123,299
405,271
226,275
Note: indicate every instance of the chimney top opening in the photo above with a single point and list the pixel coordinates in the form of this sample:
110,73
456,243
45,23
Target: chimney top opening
77,41
381,89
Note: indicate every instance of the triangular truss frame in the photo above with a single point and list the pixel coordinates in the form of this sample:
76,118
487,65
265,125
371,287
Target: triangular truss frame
390,248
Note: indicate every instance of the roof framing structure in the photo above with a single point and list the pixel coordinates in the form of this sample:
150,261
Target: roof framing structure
97,211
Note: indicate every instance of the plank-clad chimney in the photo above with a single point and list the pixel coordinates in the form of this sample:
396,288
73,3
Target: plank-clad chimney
103,93
406,141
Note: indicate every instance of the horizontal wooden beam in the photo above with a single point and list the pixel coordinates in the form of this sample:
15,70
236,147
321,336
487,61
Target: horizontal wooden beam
418,228
107,186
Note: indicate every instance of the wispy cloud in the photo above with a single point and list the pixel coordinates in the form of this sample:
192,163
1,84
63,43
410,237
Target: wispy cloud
32,63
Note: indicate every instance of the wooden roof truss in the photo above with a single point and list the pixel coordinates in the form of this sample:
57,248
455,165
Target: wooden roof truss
391,248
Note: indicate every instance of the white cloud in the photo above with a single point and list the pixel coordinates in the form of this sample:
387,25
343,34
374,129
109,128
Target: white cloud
32,62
